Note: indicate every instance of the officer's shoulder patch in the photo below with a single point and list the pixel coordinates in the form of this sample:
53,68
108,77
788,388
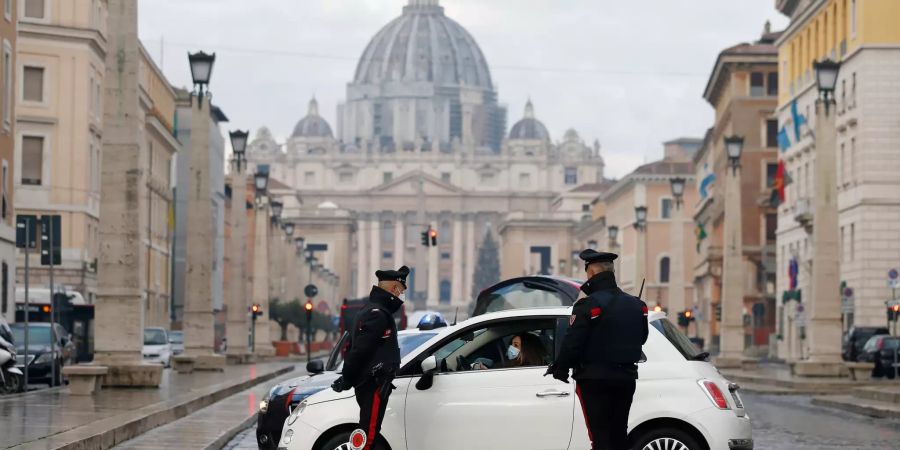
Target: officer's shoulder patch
571,319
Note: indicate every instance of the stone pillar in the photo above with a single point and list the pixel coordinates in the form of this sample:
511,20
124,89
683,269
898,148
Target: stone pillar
469,266
263,343
375,243
731,333
458,295
123,212
824,310
399,241
677,302
362,271
237,327
434,294
640,256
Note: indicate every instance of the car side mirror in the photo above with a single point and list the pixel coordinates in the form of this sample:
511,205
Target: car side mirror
429,367
315,366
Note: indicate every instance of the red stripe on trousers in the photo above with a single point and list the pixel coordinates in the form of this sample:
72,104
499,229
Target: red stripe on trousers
376,405
584,413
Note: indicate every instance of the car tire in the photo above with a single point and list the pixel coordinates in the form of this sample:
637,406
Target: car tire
341,441
665,438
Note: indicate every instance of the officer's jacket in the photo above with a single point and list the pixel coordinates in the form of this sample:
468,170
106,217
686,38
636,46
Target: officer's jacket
374,338
606,331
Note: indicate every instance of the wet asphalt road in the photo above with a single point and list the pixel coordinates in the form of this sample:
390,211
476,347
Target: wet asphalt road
779,423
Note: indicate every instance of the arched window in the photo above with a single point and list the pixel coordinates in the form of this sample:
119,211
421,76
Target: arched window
445,291
664,269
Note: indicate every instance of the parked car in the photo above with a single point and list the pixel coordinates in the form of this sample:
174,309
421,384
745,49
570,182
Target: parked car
43,340
157,348
884,351
856,338
176,338
682,401
283,397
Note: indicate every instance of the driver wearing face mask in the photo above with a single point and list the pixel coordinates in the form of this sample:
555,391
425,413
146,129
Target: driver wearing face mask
524,350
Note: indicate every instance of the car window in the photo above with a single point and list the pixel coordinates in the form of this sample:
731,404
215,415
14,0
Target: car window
891,344
36,335
176,338
487,347
525,295
678,339
154,337
871,344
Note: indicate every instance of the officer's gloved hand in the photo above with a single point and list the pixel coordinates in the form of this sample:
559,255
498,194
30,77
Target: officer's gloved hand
339,385
558,373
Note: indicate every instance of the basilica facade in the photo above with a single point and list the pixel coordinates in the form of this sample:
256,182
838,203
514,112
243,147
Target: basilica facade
421,143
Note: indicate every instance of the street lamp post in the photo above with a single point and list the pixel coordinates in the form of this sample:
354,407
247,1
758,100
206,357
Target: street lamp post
640,227
237,325
824,320
677,301
731,332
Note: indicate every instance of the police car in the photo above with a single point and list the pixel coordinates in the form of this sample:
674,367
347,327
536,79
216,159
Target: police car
458,390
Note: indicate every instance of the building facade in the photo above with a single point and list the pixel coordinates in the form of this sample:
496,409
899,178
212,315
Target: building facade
8,32
217,203
60,66
649,255
421,144
855,33
742,89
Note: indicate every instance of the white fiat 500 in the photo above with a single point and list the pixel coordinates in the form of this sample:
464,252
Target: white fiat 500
459,391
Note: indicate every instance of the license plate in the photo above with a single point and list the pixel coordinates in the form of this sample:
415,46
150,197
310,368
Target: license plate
737,400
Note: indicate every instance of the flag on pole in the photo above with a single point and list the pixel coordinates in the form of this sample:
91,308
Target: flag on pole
700,232
784,142
799,120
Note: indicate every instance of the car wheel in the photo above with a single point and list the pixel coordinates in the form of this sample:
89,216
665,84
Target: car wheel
666,439
341,441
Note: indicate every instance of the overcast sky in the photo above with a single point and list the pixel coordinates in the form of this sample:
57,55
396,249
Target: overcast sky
629,73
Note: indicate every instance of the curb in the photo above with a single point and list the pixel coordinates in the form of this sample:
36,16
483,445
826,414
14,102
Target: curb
862,409
229,434
147,418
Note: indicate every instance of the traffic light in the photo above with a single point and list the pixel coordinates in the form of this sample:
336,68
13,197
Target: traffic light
433,233
683,320
425,239
256,310
689,315
719,312
309,309
893,312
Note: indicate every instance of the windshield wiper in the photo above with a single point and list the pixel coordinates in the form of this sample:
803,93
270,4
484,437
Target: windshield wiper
704,356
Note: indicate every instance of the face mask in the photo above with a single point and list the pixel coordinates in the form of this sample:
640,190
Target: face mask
512,352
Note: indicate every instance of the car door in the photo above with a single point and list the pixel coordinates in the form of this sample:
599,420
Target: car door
504,407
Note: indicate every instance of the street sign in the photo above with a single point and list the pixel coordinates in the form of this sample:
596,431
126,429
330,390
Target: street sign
26,225
311,290
893,274
847,305
51,240
848,292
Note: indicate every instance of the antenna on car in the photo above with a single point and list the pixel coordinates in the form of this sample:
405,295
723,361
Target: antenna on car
641,292
456,316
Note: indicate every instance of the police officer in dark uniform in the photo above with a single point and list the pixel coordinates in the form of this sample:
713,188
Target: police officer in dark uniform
603,345
374,355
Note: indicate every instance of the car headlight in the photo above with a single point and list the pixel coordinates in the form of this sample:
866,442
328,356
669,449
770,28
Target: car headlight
45,358
296,413
263,406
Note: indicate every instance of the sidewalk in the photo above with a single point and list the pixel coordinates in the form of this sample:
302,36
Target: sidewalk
881,400
772,378
211,427
57,420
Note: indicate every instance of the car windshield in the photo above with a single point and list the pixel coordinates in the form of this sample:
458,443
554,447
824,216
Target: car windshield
154,337
36,335
871,344
678,339
176,337
407,342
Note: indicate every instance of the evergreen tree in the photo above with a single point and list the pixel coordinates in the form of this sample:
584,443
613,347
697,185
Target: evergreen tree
487,270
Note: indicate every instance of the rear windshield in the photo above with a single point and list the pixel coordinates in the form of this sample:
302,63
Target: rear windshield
681,342
524,295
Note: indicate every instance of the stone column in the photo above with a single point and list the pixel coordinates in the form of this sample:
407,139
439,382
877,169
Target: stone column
434,294
123,212
469,266
824,310
399,241
362,271
199,321
640,256
375,243
458,295
731,333
237,326
677,302
262,341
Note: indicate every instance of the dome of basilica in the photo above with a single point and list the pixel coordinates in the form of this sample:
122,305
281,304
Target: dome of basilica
424,45
313,125
529,127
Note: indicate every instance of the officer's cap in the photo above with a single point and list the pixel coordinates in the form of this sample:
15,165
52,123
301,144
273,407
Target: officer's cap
393,275
591,256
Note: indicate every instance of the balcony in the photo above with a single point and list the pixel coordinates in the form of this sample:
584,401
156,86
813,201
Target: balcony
803,212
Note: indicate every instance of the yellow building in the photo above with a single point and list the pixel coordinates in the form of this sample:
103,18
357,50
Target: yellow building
864,37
